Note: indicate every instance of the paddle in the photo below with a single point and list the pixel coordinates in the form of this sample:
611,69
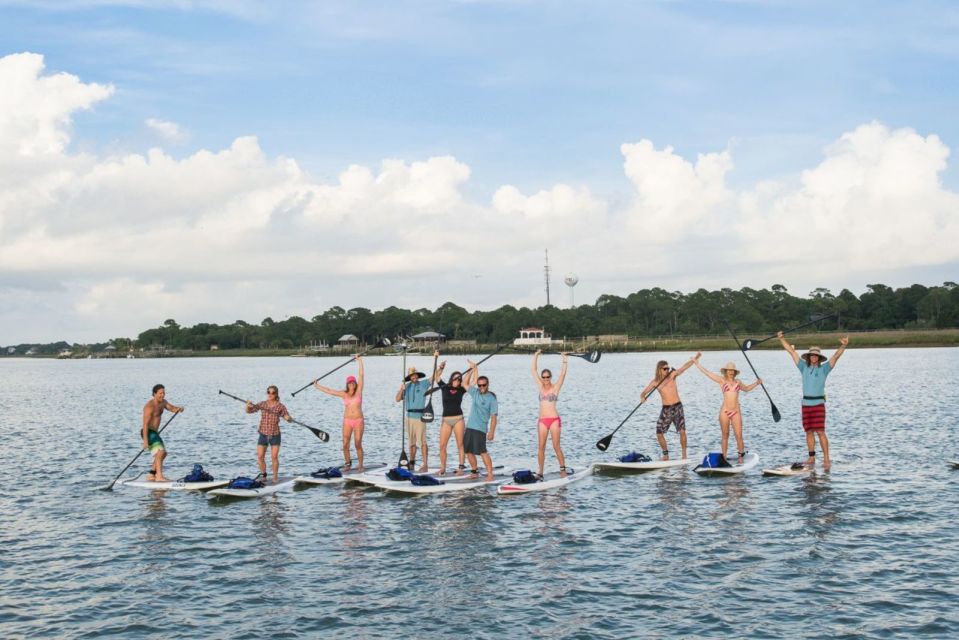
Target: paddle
776,415
495,351
383,342
749,344
319,433
404,460
109,487
589,356
427,415
603,444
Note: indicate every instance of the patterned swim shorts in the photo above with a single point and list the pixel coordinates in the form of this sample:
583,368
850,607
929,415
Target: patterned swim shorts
814,417
671,414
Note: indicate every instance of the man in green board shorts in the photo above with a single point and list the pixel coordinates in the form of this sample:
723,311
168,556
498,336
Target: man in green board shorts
152,442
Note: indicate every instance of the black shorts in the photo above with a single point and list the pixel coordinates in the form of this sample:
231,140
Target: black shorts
264,440
474,442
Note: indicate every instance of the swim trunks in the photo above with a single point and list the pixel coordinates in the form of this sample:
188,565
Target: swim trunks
474,442
416,432
814,417
154,442
671,414
265,440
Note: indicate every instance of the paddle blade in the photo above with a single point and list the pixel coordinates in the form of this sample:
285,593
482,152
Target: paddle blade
603,444
776,415
384,342
322,435
748,344
593,356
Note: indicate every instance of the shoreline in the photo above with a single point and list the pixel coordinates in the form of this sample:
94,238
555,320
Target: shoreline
891,339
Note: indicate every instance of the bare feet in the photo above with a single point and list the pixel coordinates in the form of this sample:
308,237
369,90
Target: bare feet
684,454
664,458
489,477
360,469
826,463
562,472
347,466
442,471
423,469
460,470
161,479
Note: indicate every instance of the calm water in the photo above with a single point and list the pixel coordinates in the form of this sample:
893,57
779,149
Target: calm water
869,550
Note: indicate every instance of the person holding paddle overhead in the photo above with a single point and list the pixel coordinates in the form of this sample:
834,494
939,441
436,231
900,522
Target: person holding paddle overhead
271,411
452,421
352,397
549,423
814,369
672,411
152,442
482,423
413,396
730,412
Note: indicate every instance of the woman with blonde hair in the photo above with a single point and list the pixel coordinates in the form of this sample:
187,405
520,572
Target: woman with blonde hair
353,421
730,412
549,423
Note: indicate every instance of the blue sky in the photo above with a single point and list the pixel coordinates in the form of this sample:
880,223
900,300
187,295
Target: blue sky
523,93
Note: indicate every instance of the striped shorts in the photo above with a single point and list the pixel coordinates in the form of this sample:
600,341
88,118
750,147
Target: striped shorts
814,417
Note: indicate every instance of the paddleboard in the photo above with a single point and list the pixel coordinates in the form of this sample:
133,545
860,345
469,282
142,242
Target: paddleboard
752,459
370,468
174,485
954,463
550,480
639,466
787,470
447,487
282,484
377,478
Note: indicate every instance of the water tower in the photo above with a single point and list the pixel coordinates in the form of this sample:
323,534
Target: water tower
571,280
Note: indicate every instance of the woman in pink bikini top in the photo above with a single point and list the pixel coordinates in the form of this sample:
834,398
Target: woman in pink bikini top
353,422
729,412
549,424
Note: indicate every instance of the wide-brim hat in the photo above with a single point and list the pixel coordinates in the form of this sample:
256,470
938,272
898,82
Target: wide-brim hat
730,366
813,351
419,375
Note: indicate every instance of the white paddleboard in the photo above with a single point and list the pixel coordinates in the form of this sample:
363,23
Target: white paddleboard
370,468
447,487
751,460
498,472
787,470
551,480
954,463
378,477
282,484
173,485
640,466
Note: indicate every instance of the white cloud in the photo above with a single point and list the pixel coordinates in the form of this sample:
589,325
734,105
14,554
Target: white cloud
168,131
110,245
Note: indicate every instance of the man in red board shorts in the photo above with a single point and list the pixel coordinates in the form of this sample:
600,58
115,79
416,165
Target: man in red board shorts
814,369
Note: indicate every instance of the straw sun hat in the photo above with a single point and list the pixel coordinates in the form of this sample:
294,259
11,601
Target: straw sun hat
730,366
813,351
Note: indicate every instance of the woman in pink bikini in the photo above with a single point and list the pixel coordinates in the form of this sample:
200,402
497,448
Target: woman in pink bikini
730,411
550,423
352,398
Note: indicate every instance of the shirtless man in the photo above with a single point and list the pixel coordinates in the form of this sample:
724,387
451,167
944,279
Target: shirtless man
152,411
672,411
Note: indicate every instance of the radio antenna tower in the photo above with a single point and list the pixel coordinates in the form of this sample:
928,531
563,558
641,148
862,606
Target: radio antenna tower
546,273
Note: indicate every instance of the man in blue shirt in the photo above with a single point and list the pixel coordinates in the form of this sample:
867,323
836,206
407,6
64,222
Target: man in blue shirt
413,396
481,425
814,369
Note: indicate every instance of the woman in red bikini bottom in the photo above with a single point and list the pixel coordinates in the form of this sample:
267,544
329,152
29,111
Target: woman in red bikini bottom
549,424
353,422
730,412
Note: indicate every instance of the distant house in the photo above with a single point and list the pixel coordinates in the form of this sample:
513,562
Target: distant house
533,336
214,347
11,351
110,348
428,337
348,340
31,351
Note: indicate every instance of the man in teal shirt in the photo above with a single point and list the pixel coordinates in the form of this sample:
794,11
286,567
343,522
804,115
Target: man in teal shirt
814,369
481,425
413,396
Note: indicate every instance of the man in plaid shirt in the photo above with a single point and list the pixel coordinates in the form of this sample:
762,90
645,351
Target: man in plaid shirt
270,413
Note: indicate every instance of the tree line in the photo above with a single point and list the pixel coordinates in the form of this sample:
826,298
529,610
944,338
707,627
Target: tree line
652,312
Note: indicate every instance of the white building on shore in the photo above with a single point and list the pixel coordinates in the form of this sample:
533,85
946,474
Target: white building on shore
534,337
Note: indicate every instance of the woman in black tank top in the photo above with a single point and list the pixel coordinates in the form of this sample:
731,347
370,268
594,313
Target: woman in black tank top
452,422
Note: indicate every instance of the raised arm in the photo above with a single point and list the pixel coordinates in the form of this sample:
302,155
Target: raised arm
534,367
438,374
709,374
332,392
788,347
678,372
843,342
471,375
359,374
562,372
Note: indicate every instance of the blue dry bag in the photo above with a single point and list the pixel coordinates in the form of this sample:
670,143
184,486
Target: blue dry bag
524,476
425,481
244,483
332,472
632,456
399,473
197,475
714,461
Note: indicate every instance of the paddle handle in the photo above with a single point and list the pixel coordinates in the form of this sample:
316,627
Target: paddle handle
230,395
785,331
636,408
772,404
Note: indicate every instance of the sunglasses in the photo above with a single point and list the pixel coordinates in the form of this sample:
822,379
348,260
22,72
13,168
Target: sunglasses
482,384
270,392
456,380
546,377
666,368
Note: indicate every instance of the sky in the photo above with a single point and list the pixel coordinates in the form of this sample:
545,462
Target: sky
211,161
